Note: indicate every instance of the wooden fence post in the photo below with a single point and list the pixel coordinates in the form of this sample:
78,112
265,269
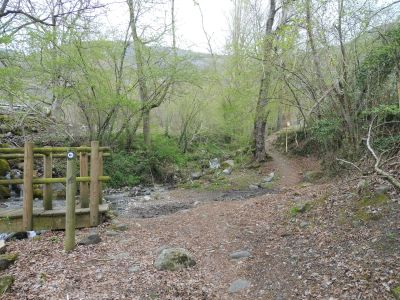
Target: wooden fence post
69,243
47,173
84,186
27,216
94,183
101,170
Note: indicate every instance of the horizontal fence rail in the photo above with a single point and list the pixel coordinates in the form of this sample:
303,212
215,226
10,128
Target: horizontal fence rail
37,155
90,184
47,150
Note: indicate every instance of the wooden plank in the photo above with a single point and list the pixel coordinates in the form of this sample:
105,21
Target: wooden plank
28,188
94,184
84,186
50,219
47,173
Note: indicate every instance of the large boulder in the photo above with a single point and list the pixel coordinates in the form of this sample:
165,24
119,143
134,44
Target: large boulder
7,260
172,259
5,284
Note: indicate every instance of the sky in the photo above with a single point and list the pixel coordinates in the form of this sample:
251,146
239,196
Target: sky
189,29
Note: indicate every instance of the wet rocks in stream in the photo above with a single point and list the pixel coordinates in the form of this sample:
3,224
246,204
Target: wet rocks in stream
150,202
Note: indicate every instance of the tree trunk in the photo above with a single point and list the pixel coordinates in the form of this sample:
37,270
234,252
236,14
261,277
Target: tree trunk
260,121
143,91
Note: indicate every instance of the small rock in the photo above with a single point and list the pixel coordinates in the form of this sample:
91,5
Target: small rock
196,175
120,227
214,163
2,246
227,171
269,178
240,254
147,198
90,240
362,186
382,189
238,285
304,224
253,187
5,284
172,259
111,233
134,269
7,260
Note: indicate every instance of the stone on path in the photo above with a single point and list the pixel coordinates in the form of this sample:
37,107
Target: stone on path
90,240
240,254
269,178
7,260
382,189
5,284
172,259
238,285
134,269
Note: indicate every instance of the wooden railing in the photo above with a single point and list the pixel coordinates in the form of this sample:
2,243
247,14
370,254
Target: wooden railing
90,186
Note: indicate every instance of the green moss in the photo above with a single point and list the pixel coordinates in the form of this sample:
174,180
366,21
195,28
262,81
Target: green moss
6,260
369,208
396,292
5,284
300,208
38,193
4,167
4,192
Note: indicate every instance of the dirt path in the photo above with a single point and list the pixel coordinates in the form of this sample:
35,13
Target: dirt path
314,255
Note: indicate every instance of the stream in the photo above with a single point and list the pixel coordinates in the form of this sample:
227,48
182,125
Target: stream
149,202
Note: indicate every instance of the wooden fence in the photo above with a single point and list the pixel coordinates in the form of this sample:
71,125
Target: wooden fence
90,186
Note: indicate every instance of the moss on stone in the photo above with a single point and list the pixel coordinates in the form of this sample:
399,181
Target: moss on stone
4,167
6,260
6,283
4,192
396,292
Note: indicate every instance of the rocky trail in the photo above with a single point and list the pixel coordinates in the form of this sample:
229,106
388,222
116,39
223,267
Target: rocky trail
296,241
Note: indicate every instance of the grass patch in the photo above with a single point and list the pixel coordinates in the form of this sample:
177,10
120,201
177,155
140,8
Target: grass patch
300,208
369,208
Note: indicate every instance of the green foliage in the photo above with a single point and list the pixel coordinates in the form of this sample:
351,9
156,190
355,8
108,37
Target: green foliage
327,133
124,169
384,110
387,142
142,164
166,150
381,60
